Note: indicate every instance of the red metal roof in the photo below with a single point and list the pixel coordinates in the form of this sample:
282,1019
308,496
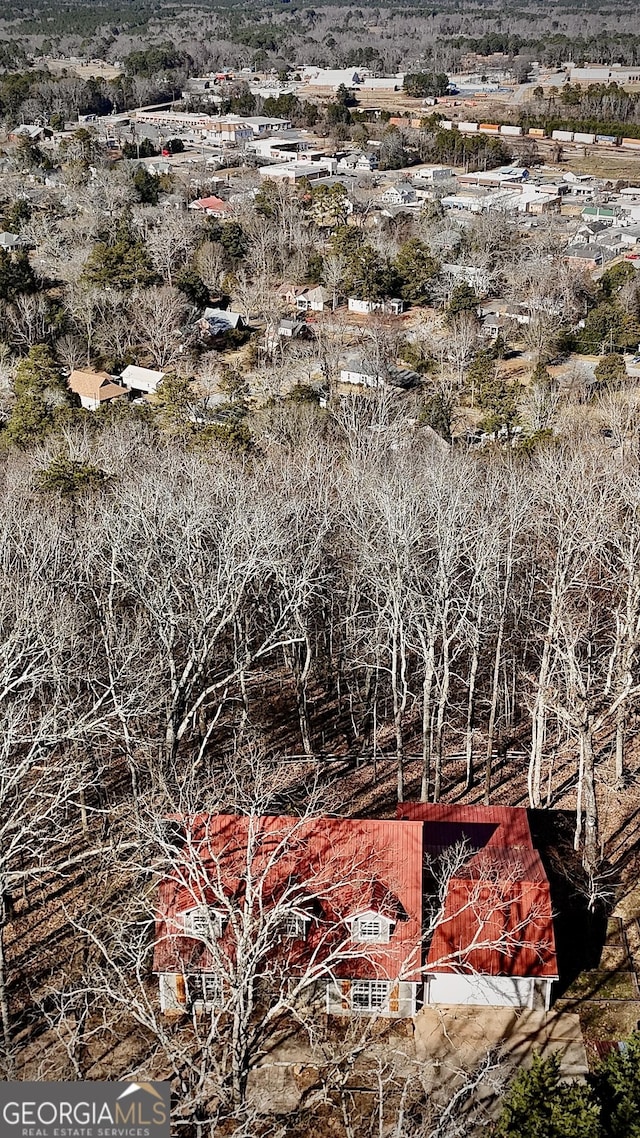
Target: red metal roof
495,928
496,919
332,868
213,204
497,916
505,826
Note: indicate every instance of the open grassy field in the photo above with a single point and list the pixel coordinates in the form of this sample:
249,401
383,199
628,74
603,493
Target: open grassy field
95,69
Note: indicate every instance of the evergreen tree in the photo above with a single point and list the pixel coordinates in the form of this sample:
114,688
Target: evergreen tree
147,186
421,84
346,241
192,285
142,149
315,267
175,403
417,270
463,299
614,278
616,1085
16,214
437,412
234,240
606,327
345,96
41,395
16,275
481,371
338,113
370,276
69,477
611,371
330,205
540,377
498,398
540,1104
122,264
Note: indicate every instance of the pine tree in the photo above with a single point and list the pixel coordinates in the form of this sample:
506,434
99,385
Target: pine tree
147,186
611,371
69,477
41,396
192,285
418,270
463,299
123,264
616,1084
540,1104
16,275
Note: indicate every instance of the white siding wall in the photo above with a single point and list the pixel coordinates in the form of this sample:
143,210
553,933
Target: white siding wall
359,378
169,997
496,991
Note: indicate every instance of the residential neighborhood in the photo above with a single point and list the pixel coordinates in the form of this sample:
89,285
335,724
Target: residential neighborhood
320,617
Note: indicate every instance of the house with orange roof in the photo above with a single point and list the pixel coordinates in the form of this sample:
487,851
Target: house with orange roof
95,388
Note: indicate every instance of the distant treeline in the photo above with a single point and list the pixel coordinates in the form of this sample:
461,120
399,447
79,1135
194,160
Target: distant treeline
555,48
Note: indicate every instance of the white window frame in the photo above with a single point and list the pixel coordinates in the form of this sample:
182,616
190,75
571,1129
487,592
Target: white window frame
369,995
295,926
204,989
372,928
211,988
202,923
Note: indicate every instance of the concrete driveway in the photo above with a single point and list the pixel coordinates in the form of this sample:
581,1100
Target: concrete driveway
463,1035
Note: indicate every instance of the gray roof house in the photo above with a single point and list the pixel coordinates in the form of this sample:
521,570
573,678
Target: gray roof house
364,372
11,241
217,321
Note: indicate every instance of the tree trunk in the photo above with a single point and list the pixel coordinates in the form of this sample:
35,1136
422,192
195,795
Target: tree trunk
399,702
427,687
471,702
620,733
577,837
538,720
591,853
496,675
4,994
300,675
488,770
442,703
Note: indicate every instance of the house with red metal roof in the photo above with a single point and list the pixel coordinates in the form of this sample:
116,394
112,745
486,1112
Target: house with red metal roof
212,205
331,905
440,905
492,941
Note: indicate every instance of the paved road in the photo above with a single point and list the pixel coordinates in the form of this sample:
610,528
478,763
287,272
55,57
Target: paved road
524,91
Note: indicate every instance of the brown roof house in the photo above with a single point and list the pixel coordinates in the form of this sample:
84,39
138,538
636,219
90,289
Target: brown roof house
95,388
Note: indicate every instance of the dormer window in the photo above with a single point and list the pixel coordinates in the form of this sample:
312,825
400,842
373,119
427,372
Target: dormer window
295,926
202,923
371,927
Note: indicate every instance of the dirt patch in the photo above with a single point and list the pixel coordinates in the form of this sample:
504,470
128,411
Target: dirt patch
95,69
603,985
